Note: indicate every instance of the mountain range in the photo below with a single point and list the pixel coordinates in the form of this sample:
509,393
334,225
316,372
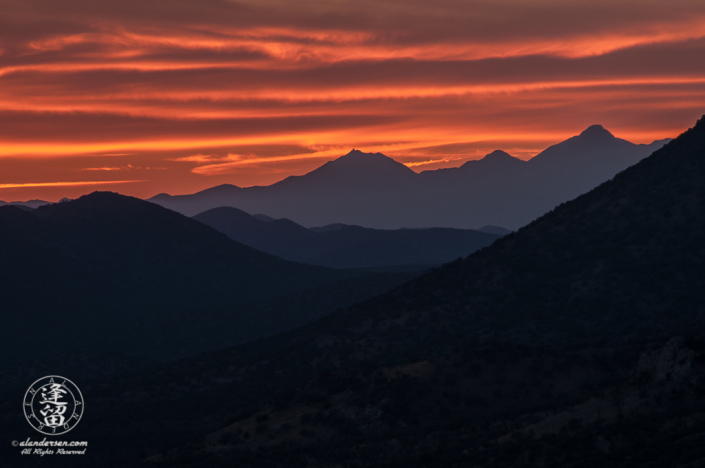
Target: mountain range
344,246
375,191
111,273
554,346
29,204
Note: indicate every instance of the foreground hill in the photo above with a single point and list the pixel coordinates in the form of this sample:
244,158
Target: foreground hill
486,407
343,246
109,272
375,191
567,303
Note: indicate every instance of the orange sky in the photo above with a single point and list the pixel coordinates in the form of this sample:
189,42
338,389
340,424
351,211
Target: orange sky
177,96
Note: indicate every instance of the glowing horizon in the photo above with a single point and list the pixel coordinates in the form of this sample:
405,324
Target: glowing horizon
185,95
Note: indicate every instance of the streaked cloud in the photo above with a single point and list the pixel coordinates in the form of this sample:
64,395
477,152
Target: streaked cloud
431,161
128,167
103,169
68,184
249,92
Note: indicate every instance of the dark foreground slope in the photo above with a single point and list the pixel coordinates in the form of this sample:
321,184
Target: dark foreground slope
113,273
346,246
551,322
623,262
492,406
566,304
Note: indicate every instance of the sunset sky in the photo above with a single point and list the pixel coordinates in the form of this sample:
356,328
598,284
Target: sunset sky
143,97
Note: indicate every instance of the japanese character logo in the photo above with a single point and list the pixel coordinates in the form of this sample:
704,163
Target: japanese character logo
53,405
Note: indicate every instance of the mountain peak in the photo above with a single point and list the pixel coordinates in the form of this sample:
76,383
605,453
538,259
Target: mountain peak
353,169
495,158
357,154
357,160
596,131
498,155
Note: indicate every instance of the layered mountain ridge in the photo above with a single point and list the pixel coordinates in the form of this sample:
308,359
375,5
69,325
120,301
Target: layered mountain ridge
344,246
518,335
372,190
106,272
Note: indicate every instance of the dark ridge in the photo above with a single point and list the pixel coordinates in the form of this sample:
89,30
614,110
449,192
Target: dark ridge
344,246
111,267
526,332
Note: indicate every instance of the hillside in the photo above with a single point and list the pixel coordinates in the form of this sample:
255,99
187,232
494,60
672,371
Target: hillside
590,285
489,407
346,246
112,273
622,262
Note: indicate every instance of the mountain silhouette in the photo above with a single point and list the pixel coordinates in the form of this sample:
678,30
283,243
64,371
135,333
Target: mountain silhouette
595,142
604,266
372,190
31,204
104,269
454,362
342,246
493,159
263,217
461,360
355,169
582,162
497,230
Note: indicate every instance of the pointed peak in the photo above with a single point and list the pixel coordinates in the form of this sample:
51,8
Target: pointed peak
596,131
357,157
222,189
498,154
357,153
493,159
360,163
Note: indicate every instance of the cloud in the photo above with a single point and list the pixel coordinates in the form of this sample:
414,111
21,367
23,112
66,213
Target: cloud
430,161
68,184
255,155
230,88
203,158
236,162
128,167
103,169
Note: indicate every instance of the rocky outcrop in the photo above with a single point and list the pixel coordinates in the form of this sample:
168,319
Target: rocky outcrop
658,373
672,362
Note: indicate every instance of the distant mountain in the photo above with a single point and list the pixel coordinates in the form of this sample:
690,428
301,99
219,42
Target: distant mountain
623,261
620,262
27,204
354,170
451,364
109,272
262,217
373,190
500,231
342,246
329,227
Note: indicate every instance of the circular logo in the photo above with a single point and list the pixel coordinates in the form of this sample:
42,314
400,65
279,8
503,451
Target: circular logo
53,405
